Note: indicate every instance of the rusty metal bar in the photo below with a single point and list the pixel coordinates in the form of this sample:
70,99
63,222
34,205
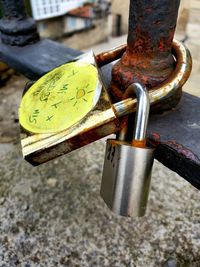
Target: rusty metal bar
148,58
177,158
15,26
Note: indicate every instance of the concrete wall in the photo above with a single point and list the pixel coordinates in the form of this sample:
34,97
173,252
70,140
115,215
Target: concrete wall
194,22
122,8
183,18
50,28
56,28
189,20
84,40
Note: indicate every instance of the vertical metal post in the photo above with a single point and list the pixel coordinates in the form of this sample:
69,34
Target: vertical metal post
148,58
15,26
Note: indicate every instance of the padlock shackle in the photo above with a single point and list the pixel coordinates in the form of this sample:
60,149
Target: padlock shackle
142,111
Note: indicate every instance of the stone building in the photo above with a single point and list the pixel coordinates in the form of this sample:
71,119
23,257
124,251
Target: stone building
73,22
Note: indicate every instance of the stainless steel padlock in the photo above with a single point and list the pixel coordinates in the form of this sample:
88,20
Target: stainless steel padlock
127,166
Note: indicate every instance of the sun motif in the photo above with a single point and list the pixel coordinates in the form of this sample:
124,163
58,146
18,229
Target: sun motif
60,98
81,95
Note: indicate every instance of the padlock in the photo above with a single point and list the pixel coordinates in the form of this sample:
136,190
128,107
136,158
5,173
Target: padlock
69,107
127,166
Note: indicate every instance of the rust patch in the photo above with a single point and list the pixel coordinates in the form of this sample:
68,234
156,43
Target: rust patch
155,140
148,58
110,55
139,143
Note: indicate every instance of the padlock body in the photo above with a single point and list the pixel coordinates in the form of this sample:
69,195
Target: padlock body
126,178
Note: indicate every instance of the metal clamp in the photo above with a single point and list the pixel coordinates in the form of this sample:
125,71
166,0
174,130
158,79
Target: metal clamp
177,79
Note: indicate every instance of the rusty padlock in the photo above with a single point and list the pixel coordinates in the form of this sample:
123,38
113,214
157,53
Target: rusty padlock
127,166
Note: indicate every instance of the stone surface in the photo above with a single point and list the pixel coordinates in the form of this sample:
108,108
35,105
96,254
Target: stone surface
9,100
52,215
69,225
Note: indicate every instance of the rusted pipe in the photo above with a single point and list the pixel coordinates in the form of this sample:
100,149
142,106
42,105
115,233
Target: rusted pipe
176,80
169,87
148,58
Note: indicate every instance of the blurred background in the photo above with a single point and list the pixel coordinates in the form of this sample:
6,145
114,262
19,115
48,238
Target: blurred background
52,215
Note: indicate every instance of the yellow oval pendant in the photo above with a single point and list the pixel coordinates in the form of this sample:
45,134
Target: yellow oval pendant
60,98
